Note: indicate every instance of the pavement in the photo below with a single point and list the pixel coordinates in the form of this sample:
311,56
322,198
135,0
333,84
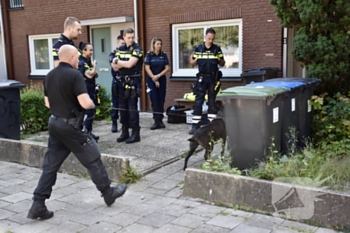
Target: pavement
154,204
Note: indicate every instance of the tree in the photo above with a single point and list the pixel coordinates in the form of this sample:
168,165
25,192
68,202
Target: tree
322,39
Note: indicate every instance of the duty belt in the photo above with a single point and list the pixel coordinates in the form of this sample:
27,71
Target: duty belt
66,120
207,75
130,76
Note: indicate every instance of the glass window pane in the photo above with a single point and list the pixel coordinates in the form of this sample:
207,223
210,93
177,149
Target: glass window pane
227,38
41,54
188,40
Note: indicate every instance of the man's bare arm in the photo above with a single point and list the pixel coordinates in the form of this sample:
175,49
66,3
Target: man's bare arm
85,101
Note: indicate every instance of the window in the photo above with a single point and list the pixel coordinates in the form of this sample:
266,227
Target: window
41,58
228,36
15,4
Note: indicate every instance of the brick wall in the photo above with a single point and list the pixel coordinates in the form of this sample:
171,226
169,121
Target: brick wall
262,44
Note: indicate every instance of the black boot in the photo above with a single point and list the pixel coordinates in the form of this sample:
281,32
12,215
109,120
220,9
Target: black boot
124,135
113,193
94,136
156,125
161,124
194,127
114,126
135,137
39,210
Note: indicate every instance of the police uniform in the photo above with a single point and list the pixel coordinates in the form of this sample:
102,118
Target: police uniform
129,91
207,81
115,87
62,40
62,86
157,64
84,65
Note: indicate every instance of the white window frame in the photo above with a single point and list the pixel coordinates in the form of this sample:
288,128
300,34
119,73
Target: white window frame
49,37
232,72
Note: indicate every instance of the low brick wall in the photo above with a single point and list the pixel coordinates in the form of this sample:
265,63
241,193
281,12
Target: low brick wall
32,154
301,203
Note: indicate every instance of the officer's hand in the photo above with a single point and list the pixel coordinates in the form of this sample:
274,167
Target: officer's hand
157,84
115,60
93,63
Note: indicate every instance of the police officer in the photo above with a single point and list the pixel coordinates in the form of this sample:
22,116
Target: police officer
115,84
88,70
66,96
156,66
129,63
72,29
207,56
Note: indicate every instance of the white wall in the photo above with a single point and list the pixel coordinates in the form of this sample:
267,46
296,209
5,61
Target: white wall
3,74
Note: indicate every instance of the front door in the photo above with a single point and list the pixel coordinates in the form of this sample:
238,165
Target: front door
101,41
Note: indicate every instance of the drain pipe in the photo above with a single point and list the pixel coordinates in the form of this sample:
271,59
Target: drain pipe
3,44
285,51
136,22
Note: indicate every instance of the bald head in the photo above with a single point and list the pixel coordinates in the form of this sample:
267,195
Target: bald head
69,54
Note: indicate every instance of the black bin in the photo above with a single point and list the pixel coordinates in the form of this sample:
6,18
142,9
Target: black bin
10,109
259,74
252,116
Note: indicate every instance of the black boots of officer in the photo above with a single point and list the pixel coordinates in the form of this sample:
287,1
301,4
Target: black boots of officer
94,136
158,124
125,134
194,128
135,137
39,210
113,193
114,126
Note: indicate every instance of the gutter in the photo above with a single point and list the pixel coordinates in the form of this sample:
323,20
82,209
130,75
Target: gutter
8,40
3,44
285,51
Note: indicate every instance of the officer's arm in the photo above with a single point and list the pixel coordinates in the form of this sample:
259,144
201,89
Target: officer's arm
193,58
111,56
221,57
127,64
47,103
91,73
85,101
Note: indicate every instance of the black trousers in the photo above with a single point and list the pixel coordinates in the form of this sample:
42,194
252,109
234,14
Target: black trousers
63,140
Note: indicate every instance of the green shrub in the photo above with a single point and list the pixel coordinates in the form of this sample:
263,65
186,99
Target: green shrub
34,114
102,111
331,119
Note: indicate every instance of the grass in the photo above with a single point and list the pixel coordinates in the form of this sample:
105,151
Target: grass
130,175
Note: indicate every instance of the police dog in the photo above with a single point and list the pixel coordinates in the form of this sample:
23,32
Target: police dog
205,136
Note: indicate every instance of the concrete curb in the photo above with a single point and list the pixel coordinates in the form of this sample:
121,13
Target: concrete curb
296,202
32,154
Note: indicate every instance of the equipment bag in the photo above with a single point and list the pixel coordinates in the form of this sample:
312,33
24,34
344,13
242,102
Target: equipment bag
176,114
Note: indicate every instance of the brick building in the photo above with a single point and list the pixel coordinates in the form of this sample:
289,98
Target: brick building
248,32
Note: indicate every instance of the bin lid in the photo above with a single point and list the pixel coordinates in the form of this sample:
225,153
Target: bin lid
257,71
10,84
288,85
306,81
251,92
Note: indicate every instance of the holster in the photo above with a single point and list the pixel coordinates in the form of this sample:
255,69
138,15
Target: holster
198,87
77,122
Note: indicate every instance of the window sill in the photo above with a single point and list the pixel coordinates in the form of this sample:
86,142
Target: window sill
36,76
16,8
225,79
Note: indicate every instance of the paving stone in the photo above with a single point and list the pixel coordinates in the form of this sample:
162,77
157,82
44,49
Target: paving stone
83,197
67,227
130,200
102,227
324,230
175,192
160,201
205,228
7,226
5,214
11,182
142,209
20,218
166,184
156,219
186,203
4,203
238,213
12,189
175,210
55,205
226,221
171,228
190,220
112,210
179,176
123,219
19,206
170,169
61,216
154,177
33,227
298,226
137,228
155,191
207,210
282,229
140,186
249,229
263,221
82,207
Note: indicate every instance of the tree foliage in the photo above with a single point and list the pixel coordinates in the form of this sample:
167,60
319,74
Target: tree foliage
322,39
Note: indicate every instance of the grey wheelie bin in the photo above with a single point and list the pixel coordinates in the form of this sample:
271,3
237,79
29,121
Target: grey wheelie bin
10,109
289,116
252,116
303,105
259,74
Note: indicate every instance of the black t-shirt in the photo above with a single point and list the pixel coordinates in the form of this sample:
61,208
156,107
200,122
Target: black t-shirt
62,87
